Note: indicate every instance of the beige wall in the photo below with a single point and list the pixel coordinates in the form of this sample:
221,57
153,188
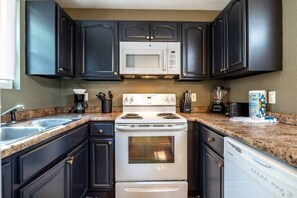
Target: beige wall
154,15
35,92
284,82
203,89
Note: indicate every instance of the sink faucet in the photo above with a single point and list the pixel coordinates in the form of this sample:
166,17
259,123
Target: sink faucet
12,111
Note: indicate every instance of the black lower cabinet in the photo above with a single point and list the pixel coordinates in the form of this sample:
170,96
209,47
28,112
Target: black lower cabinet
6,179
213,174
79,171
211,163
53,183
193,159
101,164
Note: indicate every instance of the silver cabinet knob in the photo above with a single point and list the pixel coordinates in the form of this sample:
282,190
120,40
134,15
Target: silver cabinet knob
110,143
147,38
115,73
61,69
100,131
152,38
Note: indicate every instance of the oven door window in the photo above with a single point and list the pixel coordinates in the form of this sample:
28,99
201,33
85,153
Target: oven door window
150,150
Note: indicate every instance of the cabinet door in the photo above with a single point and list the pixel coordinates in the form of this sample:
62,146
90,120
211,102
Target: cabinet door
65,41
218,43
101,164
164,31
135,31
194,51
99,50
53,183
79,171
235,39
6,179
213,174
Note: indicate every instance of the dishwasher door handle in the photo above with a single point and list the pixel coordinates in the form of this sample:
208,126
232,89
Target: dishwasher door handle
261,163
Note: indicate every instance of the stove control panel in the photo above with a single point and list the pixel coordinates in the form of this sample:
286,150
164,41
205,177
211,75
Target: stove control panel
149,99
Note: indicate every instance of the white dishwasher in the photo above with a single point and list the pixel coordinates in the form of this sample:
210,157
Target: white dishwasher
249,173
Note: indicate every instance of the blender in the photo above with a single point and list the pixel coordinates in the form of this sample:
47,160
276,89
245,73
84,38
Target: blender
219,93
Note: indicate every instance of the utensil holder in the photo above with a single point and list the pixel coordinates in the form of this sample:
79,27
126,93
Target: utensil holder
106,106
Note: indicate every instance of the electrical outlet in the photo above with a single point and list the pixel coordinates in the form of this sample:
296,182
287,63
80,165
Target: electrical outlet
86,97
271,97
193,96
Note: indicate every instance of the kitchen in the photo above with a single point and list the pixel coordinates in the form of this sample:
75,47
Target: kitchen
43,93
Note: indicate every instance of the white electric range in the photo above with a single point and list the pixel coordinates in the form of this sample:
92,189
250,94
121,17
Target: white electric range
150,148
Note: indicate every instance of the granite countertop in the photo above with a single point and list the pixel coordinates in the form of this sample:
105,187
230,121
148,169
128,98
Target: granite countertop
278,140
7,150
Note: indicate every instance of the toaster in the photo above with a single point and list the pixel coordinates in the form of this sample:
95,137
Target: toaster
236,109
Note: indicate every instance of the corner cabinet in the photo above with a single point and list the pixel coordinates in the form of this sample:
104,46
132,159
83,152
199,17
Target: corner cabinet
195,50
149,31
247,39
49,40
97,50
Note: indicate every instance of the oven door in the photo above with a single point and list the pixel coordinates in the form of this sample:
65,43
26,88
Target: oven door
151,154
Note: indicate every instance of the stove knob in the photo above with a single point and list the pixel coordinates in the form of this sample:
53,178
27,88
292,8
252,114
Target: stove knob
126,99
172,99
131,99
166,99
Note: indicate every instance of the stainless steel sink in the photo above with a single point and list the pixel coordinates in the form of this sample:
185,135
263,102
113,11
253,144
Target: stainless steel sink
46,123
13,134
16,131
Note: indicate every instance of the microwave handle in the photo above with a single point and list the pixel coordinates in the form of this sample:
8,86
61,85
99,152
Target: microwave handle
164,60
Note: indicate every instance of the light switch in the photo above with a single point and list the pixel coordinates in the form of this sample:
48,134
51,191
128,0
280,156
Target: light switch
271,97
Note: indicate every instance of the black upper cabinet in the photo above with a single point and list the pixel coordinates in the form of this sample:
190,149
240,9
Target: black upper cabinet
65,41
218,38
235,28
98,49
251,38
149,31
49,40
194,51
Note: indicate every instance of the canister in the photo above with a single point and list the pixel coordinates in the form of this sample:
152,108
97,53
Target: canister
257,103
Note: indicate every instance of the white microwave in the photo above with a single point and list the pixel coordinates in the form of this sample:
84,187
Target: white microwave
150,58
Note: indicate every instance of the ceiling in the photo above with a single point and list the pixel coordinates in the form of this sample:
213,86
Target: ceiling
146,4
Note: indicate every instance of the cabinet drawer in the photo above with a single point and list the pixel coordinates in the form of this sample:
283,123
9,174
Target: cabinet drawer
101,129
214,140
33,161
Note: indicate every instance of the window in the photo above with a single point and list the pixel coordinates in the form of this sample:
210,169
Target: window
9,43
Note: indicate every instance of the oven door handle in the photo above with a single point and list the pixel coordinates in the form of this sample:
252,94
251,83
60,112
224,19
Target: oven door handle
153,189
173,128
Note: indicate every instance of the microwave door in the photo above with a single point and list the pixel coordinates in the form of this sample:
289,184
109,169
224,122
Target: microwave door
144,61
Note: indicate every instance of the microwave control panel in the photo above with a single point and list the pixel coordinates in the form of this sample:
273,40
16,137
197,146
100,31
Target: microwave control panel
173,58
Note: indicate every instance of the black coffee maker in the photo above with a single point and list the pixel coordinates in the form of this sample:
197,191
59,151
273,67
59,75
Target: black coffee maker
79,103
